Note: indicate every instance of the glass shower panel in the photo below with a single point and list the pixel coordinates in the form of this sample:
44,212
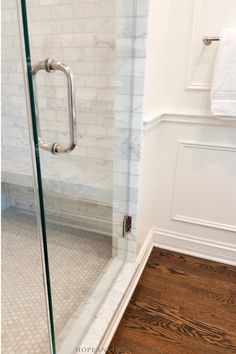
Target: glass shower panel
24,303
81,54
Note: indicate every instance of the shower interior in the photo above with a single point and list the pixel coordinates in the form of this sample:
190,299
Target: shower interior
85,192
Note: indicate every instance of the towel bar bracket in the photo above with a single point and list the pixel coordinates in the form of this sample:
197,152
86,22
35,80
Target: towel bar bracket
207,40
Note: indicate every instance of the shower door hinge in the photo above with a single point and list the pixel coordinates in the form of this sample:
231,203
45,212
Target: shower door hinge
127,224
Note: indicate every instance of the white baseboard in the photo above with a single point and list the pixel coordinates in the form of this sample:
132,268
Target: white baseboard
141,263
195,246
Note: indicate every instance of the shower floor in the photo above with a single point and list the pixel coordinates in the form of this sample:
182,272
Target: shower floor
77,258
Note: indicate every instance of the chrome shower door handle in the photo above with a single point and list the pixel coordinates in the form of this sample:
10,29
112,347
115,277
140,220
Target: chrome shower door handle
50,66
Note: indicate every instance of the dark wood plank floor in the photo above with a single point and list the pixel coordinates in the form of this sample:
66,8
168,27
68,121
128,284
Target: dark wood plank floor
182,305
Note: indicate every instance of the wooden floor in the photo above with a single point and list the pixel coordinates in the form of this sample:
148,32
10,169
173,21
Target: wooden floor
182,305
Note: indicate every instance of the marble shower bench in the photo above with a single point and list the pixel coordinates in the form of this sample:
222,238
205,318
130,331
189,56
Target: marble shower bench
74,193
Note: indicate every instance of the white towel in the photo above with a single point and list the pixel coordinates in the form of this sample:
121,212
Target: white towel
223,92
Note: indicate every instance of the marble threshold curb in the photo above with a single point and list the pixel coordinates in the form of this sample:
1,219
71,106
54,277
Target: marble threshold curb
108,300
114,290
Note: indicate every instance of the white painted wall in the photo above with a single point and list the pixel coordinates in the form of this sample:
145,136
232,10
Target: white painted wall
188,179
179,67
156,55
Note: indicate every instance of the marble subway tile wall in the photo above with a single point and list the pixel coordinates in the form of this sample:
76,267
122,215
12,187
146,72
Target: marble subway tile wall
128,123
81,34
103,41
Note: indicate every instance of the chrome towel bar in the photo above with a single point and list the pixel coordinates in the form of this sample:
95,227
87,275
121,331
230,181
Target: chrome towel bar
207,40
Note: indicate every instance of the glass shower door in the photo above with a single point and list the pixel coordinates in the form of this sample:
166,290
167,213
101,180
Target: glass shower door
35,141
24,314
80,95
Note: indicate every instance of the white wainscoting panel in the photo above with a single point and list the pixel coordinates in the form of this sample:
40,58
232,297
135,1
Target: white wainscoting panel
189,180
193,185
204,184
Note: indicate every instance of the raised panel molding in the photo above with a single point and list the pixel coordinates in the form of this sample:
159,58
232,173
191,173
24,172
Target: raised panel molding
178,216
203,222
